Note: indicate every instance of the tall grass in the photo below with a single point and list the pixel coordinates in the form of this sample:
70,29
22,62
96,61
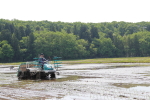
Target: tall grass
14,63
99,60
109,60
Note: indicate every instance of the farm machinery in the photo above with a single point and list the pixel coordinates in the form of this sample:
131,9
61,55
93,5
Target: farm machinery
35,70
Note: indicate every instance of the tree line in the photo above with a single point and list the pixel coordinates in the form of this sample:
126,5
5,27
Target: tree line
24,40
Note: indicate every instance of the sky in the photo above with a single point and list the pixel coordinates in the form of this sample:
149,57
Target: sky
94,11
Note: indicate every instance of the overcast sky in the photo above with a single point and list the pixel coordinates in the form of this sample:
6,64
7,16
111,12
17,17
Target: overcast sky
76,10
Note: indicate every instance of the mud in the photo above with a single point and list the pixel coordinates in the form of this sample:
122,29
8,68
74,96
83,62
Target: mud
124,81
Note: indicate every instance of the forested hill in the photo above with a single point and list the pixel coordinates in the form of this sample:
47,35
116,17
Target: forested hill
24,40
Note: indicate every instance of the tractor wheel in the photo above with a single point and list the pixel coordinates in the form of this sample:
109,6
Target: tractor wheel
53,75
20,75
28,74
43,75
38,75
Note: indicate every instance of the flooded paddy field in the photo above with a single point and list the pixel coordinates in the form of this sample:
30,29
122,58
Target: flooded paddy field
121,81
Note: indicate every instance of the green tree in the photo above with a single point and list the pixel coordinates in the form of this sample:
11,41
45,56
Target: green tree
31,46
7,26
144,43
1,27
22,31
131,28
23,43
93,51
127,45
144,47
16,48
122,28
94,32
38,28
17,34
85,33
118,42
105,47
53,28
28,30
75,30
7,53
1,55
41,45
60,44
136,45
5,35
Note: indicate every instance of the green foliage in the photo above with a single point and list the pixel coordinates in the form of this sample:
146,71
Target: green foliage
6,53
1,54
24,40
16,47
105,47
5,35
120,46
59,44
30,46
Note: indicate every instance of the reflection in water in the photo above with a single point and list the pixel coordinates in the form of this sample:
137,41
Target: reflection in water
141,88
8,70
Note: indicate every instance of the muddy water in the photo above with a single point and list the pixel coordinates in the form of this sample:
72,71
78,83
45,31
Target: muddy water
81,82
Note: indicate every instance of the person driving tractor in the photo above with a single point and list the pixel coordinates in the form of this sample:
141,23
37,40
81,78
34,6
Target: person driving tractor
42,60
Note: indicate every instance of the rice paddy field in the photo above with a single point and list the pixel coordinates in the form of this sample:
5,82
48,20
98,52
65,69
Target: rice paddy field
89,79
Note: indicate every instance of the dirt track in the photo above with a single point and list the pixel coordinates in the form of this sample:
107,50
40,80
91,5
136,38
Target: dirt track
82,82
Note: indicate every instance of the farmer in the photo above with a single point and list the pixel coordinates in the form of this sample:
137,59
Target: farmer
42,60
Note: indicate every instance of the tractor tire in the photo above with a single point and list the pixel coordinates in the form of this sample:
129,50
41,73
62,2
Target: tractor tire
19,75
28,74
53,75
38,76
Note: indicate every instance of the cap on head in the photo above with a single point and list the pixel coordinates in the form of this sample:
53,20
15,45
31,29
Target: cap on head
41,54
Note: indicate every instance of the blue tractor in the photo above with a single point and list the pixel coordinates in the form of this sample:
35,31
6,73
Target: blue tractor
34,70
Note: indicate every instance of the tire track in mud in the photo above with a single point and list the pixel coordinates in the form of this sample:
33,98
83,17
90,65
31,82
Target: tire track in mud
111,76
27,94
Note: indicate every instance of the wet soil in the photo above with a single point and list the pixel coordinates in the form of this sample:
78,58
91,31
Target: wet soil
124,81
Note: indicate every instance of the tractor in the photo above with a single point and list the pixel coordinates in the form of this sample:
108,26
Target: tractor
34,70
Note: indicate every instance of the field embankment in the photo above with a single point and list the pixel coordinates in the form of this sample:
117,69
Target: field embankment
99,60
109,60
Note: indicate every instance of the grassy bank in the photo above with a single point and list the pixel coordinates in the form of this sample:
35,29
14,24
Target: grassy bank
100,60
14,63
110,60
